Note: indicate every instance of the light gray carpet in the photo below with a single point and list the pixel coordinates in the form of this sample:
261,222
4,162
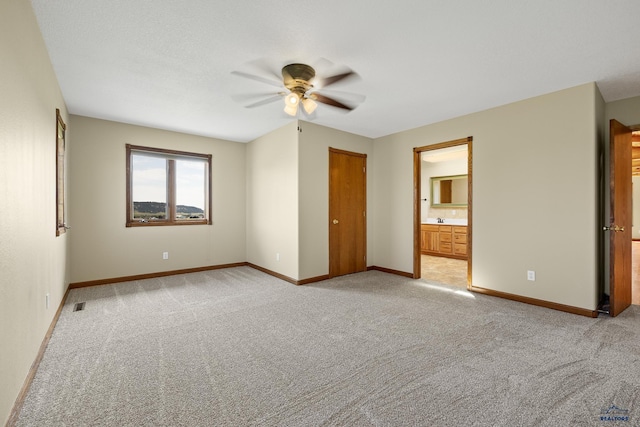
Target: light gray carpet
237,347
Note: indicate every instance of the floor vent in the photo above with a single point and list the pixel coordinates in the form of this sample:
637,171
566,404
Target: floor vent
79,306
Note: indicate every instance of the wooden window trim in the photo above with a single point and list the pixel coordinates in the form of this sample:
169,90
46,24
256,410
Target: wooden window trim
61,128
171,202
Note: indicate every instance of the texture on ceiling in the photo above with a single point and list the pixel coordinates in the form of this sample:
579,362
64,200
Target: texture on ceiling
168,64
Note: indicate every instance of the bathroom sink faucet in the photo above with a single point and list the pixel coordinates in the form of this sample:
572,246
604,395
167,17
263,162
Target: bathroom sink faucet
440,220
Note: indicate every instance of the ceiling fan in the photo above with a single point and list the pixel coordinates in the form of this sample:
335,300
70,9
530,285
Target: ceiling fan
302,87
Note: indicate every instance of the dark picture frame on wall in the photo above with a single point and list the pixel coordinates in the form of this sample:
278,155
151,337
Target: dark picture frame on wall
61,224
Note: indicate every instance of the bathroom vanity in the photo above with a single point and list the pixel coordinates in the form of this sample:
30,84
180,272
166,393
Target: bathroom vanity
447,240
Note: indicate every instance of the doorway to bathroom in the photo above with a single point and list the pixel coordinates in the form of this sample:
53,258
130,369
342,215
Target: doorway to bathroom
442,212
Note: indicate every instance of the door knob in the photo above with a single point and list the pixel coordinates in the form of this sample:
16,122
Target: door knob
335,221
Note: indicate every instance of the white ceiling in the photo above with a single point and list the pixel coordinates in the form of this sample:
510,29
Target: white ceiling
167,64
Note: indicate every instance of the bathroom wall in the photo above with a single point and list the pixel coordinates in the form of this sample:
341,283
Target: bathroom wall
446,168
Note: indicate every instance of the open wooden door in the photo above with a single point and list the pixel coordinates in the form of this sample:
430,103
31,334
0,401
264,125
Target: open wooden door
621,218
347,212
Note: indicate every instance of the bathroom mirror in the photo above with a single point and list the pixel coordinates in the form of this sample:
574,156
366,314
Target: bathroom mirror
449,191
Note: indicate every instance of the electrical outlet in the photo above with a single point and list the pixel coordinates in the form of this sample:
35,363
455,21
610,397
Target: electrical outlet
46,301
165,255
531,275
278,256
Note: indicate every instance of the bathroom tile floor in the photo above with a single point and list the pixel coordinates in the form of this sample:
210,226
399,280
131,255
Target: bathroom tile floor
444,270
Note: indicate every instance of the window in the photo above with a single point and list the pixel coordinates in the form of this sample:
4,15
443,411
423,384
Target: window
166,187
61,224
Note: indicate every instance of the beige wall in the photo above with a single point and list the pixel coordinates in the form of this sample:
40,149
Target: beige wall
287,197
535,182
314,143
626,111
535,201
272,201
33,261
102,247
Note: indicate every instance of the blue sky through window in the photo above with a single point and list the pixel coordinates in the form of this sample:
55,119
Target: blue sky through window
150,180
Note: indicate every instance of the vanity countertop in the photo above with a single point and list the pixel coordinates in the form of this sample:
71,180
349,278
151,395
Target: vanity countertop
447,221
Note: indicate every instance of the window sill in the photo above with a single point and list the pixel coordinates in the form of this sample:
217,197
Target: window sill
166,223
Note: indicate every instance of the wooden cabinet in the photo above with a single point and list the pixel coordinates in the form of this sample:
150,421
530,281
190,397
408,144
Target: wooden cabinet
460,241
430,238
444,240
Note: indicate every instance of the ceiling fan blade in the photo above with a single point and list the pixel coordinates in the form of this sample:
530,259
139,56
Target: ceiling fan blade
330,101
258,78
269,100
251,97
321,65
349,97
336,78
266,67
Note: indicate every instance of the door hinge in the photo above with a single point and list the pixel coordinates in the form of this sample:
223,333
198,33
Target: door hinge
364,213
364,169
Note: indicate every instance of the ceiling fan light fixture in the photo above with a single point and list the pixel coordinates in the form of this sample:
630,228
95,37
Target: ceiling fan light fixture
292,99
309,105
291,110
291,102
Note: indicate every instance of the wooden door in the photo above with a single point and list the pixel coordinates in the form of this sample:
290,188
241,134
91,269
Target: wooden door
621,217
347,212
